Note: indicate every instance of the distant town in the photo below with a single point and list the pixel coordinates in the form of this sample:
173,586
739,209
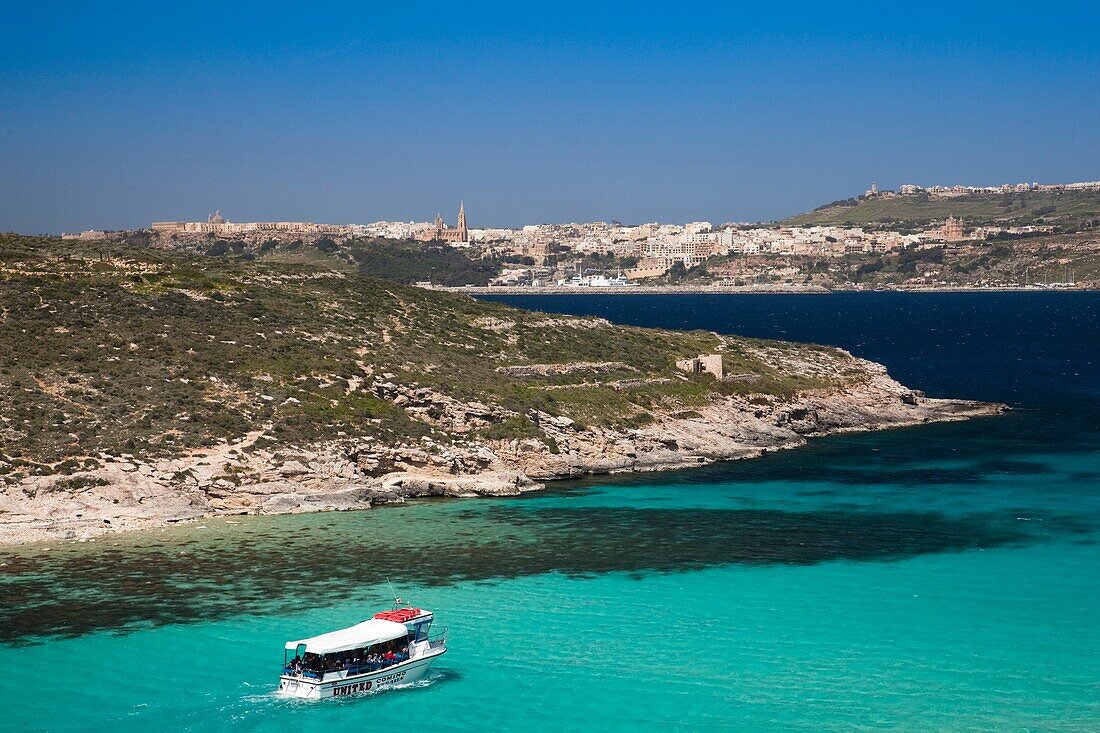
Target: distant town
909,189
788,254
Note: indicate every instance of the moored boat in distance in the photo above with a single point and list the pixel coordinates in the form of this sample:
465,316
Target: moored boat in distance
394,647
597,281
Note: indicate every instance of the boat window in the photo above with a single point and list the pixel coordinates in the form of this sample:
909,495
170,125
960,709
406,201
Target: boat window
419,631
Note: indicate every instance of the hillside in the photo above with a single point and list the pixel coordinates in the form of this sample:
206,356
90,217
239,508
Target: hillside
401,261
1011,262
1071,210
140,386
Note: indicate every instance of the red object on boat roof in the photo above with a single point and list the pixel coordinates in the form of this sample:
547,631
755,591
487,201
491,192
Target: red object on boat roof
401,615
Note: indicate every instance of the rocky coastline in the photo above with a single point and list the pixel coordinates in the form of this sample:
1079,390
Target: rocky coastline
252,476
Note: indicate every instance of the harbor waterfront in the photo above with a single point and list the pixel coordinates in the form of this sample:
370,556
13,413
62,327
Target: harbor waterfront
774,289
935,577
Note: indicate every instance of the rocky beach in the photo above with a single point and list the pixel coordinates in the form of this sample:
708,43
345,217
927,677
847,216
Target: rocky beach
242,477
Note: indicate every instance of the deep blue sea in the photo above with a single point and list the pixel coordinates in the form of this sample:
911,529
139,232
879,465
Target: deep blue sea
945,577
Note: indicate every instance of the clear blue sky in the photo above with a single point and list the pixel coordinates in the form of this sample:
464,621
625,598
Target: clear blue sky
113,115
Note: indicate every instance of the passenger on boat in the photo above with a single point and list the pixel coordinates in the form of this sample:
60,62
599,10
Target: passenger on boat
353,661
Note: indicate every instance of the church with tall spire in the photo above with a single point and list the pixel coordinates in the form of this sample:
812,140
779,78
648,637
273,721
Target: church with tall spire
444,233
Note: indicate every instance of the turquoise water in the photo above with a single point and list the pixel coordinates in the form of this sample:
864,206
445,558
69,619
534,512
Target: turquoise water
935,578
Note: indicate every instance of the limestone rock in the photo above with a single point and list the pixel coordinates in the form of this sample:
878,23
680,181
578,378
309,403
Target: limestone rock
346,473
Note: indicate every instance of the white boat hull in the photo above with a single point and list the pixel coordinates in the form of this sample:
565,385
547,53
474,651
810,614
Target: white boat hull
333,686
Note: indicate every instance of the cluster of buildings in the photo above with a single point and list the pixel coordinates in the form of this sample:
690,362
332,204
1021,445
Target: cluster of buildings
87,235
218,225
551,252
657,247
557,253
912,189
421,231
828,241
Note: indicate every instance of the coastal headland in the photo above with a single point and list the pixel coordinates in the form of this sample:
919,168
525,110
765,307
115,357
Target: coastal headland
150,387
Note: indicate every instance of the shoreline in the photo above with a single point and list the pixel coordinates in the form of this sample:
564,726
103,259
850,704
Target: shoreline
721,290
138,495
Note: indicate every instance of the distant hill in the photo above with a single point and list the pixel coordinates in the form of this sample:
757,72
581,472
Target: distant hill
400,261
410,262
1071,210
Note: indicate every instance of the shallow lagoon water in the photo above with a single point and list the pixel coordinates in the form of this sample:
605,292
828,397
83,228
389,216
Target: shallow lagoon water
941,577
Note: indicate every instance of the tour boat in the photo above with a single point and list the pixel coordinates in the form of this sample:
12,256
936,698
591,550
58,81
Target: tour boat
392,648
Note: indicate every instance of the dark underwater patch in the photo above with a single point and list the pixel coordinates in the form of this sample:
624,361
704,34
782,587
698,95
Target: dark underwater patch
893,475
113,586
965,462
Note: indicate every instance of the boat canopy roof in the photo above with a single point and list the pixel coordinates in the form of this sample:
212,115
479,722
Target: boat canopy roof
374,631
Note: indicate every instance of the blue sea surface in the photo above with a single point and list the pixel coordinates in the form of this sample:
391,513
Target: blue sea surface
942,577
